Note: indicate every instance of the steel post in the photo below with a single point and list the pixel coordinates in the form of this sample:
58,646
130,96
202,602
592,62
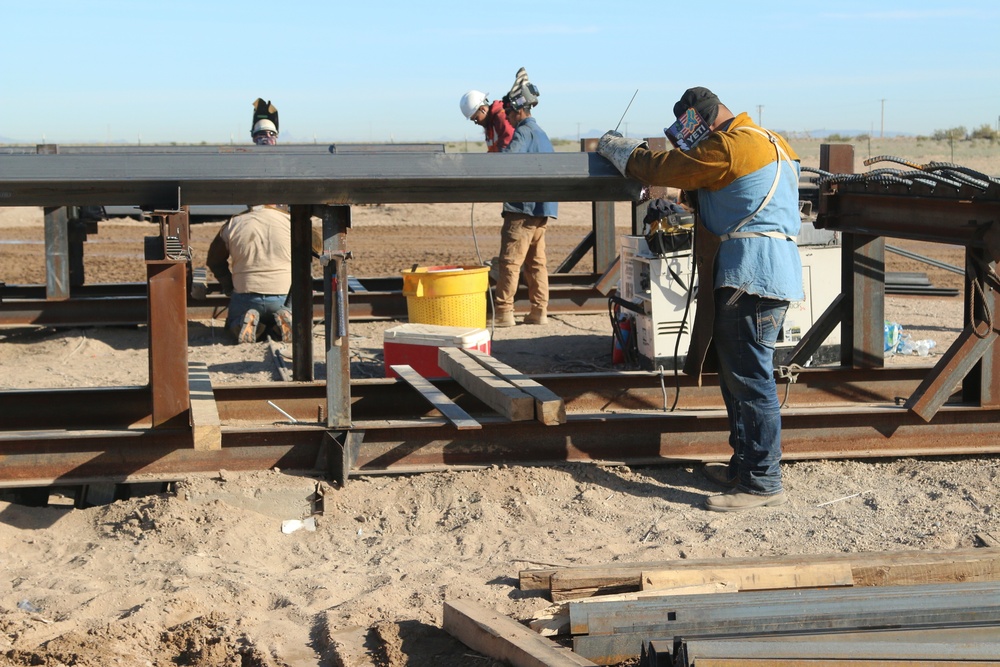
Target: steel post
56,253
168,338
336,222
302,294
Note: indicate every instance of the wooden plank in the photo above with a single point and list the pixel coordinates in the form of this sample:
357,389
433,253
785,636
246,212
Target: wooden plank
585,581
206,427
611,277
549,406
808,575
456,415
502,638
501,396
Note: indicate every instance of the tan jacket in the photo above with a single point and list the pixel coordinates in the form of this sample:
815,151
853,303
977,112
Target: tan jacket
258,246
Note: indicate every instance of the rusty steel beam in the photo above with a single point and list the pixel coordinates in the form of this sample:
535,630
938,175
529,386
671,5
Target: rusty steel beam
168,352
118,305
388,399
407,446
614,417
952,221
169,181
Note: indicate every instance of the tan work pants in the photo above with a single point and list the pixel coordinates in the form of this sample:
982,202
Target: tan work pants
522,242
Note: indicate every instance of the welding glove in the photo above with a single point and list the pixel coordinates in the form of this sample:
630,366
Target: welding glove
617,149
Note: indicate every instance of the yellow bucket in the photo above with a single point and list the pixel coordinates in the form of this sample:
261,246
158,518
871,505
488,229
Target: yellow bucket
452,296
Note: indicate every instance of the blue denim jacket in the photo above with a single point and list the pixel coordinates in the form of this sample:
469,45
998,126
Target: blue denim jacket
768,267
530,138
732,170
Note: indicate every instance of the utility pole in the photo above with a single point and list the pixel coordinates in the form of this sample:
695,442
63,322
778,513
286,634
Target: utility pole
759,108
881,132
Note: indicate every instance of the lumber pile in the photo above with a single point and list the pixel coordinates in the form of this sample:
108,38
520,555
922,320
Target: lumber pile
886,608
502,388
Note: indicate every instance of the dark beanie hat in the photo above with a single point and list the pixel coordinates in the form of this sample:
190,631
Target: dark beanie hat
704,102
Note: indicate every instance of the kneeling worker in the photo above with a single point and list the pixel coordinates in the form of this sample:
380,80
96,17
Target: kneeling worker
251,256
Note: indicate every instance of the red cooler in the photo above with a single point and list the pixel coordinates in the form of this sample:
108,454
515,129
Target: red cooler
417,346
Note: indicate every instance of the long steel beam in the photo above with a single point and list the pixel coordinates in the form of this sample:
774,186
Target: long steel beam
161,149
106,434
166,181
117,305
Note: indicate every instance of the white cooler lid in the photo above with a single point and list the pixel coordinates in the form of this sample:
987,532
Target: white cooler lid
436,334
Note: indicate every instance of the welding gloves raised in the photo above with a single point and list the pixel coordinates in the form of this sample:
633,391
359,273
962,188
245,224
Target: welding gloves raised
617,149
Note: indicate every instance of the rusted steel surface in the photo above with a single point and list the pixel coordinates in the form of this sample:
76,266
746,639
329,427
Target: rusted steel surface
389,399
909,217
611,418
168,334
434,444
125,304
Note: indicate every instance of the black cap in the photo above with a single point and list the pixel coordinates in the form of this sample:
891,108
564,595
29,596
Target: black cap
704,102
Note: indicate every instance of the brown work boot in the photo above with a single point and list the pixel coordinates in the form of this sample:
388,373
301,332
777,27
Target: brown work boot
504,320
536,316
248,330
284,320
734,501
719,473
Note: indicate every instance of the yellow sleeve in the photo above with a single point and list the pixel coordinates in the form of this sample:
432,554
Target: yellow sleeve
706,165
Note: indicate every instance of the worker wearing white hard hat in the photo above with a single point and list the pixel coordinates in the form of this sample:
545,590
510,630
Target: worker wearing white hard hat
490,116
264,129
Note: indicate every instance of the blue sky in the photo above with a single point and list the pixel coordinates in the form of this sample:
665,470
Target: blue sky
381,70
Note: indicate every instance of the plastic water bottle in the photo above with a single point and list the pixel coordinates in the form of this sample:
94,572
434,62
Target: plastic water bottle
891,336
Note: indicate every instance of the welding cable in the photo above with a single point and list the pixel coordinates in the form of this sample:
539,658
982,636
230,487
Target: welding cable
978,274
680,331
479,258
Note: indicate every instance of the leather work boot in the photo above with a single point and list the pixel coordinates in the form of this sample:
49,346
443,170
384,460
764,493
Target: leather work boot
504,320
734,501
536,316
284,320
248,331
719,473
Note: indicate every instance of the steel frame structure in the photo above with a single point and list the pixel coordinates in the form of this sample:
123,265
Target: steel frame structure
179,423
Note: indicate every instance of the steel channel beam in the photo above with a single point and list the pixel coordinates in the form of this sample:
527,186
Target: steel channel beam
291,149
86,308
387,399
921,218
406,446
167,181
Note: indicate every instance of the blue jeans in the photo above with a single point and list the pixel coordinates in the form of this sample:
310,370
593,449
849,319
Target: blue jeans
745,332
266,306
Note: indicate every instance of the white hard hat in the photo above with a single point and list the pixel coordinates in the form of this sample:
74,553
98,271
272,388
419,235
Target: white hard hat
471,102
264,124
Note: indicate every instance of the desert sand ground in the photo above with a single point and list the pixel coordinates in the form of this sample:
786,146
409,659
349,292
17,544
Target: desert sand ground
202,574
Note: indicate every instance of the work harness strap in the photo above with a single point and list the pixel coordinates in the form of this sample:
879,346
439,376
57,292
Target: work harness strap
782,157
